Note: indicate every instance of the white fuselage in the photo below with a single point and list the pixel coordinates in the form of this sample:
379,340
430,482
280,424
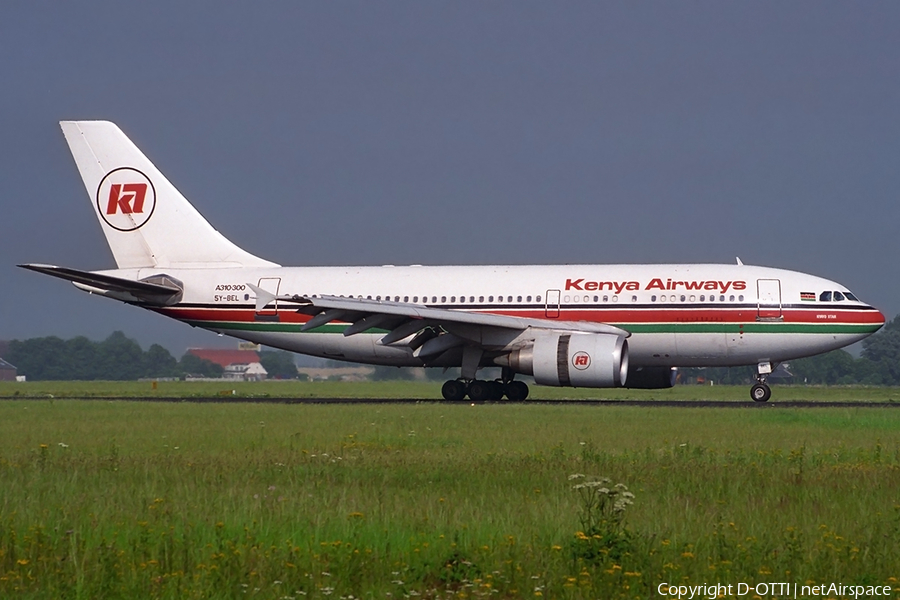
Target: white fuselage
678,315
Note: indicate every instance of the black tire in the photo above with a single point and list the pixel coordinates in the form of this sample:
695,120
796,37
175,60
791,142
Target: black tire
497,390
516,391
760,392
479,390
454,390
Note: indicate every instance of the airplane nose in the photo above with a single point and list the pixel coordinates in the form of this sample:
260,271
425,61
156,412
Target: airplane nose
880,319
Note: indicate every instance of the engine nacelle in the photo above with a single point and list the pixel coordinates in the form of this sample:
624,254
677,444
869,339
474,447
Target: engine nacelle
572,360
651,378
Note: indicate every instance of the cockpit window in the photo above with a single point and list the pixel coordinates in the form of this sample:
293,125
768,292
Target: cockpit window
838,297
850,296
825,297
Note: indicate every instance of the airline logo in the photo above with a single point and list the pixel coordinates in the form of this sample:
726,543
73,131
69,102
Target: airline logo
581,360
126,199
654,284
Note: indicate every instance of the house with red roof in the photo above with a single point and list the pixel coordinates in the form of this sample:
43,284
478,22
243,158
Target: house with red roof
242,365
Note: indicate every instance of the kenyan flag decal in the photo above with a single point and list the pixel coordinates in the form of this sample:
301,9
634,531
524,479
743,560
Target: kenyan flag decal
808,296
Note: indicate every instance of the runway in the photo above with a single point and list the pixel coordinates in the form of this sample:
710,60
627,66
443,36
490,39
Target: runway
772,405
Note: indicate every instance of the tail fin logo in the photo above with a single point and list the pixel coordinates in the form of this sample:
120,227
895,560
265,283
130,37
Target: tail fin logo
126,199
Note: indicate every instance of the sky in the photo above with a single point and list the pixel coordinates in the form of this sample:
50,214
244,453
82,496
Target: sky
364,133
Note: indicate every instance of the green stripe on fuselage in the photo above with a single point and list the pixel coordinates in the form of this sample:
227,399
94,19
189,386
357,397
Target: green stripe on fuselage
751,327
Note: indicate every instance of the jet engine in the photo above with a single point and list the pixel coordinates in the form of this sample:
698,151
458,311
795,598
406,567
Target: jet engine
572,359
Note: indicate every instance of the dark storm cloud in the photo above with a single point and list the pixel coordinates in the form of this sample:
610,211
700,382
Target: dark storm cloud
365,133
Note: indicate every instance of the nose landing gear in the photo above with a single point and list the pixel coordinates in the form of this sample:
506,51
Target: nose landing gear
761,392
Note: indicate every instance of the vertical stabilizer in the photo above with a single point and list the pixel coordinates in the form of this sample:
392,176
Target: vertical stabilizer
146,220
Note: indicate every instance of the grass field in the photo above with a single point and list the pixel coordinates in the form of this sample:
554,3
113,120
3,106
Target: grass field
103,499
416,389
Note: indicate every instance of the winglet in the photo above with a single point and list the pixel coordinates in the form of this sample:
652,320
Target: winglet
263,297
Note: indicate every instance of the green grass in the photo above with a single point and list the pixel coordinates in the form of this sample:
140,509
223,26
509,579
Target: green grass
416,389
103,499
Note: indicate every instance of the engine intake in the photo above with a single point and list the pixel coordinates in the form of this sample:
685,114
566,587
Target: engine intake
572,360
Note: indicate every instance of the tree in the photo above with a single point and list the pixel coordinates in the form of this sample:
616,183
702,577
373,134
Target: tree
158,362
835,367
278,365
883,350
40,358
194,365
119,358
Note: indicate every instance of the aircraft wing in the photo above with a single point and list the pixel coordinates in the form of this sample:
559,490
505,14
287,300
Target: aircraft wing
434,329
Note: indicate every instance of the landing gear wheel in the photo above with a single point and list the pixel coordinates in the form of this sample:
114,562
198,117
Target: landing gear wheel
479,390
516,391
760,392
497,390
454,390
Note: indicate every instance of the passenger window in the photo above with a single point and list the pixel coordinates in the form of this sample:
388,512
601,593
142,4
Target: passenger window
462,298
682,298
480,298
378,298
538,299
566,299
672,297
471,298
443,299
653,298
693,298
490,298
634,298
415,299
519,298
702,297
731,298
452,299
741,298
596,298
406,298
825,297
528,299
615,298
662,298
722,298
606,298
838,297
712,298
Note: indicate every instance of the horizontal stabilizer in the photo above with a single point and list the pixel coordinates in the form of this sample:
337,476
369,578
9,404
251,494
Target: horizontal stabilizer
141,291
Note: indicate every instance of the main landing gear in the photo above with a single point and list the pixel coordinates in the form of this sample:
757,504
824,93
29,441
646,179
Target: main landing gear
761,392
479,390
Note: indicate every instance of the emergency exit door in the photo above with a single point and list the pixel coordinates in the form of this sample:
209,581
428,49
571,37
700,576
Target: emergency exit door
551,309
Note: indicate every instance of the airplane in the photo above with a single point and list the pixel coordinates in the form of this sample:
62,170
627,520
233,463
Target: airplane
578,325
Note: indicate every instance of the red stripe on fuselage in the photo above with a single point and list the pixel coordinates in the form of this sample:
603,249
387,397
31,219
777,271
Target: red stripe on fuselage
595,315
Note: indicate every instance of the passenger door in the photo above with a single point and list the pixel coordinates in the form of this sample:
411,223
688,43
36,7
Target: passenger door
270,312
769,299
